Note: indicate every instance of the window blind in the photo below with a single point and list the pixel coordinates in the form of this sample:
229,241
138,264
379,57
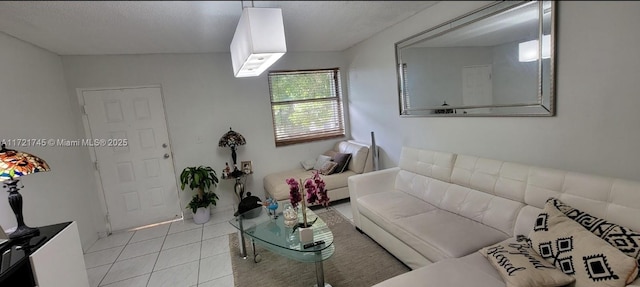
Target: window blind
306,105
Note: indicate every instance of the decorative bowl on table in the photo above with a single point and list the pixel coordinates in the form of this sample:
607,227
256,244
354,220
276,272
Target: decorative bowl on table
248,207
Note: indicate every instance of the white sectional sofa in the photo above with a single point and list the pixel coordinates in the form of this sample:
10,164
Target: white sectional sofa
276,187
437,209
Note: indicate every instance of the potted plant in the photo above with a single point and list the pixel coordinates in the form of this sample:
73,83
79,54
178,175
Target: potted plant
202,179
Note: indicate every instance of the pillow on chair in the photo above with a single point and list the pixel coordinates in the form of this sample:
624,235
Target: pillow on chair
320,161
327,168
308,164
330,153
342,159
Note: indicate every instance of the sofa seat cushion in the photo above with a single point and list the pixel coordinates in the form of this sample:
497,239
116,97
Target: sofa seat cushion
436,234
476,260
440,234
391,205
275,183
466,271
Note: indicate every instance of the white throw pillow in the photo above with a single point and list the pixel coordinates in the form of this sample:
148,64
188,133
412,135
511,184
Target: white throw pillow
320,161
308,164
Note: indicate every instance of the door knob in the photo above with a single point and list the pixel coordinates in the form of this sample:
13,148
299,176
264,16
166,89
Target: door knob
166,155
164,145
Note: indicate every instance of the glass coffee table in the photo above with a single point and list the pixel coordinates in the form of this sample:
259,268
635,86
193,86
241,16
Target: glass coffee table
272,234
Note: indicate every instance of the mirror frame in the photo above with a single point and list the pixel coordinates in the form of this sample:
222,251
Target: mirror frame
546,104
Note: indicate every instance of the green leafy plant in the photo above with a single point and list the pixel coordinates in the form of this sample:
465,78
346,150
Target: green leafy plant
202,179
197,202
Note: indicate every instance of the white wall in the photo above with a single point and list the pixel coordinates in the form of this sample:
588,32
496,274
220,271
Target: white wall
514,82
428,70
596,127
35,106
203,99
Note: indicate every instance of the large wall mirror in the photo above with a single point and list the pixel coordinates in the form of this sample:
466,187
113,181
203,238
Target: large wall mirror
496,61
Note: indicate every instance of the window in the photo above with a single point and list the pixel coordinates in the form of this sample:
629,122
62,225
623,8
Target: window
306,105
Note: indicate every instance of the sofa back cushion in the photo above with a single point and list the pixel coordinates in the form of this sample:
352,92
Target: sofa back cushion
497,212
423,187
433,164
451,182
612,199
360,157
504,179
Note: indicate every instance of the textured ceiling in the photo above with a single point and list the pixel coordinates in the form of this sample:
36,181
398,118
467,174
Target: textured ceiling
130,27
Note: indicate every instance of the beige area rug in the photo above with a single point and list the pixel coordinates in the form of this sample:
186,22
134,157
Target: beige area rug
357,261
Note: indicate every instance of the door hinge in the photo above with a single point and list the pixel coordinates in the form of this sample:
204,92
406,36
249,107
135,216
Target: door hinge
84,109
95,165
108,218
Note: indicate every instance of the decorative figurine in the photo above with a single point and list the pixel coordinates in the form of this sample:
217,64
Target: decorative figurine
226,171
272,205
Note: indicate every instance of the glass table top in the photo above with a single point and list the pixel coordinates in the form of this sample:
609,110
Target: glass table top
284,240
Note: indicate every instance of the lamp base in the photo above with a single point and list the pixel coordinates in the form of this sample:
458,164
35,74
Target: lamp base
24,232
15,201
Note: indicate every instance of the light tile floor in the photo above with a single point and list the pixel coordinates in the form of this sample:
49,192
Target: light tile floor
176,254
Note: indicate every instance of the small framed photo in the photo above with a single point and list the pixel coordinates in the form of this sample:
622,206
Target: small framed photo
247,167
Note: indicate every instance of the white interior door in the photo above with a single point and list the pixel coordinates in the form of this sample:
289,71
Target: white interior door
477,87
138,179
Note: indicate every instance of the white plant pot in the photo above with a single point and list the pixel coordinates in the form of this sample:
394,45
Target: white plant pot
202,215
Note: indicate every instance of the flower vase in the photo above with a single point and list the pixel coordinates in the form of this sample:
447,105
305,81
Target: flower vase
306,231
312,190
306,235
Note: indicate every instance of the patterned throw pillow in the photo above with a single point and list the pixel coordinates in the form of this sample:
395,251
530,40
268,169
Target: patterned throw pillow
625,239
320,161
578,252
327,168
521,266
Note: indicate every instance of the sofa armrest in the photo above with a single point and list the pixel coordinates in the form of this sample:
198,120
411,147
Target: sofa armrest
369,183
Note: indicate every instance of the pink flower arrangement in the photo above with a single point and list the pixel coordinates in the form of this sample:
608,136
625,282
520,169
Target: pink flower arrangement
294,192
315,191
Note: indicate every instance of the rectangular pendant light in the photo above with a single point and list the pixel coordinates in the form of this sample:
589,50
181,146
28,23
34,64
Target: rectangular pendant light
258,41
528,51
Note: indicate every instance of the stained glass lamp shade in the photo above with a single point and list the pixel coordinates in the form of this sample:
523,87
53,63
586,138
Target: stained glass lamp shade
15,164
232,139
